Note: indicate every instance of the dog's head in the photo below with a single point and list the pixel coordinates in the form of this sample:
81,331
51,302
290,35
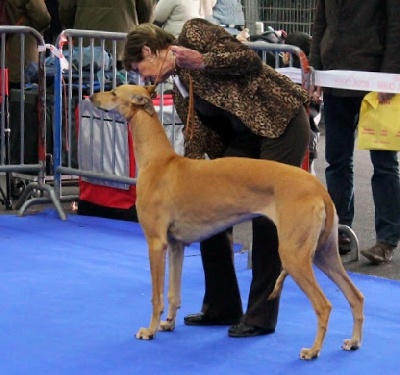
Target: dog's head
125,99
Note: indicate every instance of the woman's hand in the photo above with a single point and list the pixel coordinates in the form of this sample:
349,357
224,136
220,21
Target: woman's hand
317,95
187,58
384,97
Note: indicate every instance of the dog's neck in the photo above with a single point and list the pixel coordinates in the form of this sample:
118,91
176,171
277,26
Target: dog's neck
151,143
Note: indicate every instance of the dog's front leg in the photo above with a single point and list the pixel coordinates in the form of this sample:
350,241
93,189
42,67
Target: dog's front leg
175,262
157,269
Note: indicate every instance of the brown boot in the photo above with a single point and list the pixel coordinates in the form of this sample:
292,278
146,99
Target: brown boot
379,253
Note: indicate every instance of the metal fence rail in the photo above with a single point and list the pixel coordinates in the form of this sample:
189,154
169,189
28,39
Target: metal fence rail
16,155
289,15
86,73
84,66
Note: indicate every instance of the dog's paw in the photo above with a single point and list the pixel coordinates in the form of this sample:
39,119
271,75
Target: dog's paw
306,353
145,334
351,344
167,325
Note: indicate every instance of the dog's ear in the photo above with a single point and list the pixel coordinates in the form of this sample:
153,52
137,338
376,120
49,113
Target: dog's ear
151,89
145,102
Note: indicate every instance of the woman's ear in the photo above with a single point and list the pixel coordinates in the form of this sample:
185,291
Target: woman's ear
146,51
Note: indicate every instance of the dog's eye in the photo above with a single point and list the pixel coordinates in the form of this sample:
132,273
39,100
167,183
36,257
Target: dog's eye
113,93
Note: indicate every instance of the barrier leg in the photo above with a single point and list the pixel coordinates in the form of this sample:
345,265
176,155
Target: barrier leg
354,246
24,203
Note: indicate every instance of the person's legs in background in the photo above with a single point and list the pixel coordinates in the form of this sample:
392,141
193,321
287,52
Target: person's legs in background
386,193
341,117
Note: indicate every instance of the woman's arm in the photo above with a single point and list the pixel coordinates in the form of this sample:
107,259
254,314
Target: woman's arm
37,14
216,51
163,10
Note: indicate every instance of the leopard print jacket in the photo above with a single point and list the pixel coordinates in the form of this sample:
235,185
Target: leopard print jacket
235,79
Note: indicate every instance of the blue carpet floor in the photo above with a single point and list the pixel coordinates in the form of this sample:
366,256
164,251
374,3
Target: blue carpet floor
73,294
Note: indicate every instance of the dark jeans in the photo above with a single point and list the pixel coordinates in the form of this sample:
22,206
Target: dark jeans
222,296
341,119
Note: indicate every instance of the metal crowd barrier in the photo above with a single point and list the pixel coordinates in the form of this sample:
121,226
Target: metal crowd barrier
276,50
83,65
81,71
16,156
288,15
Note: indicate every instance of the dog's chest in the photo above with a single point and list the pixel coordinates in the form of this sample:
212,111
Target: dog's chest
187,232
197,230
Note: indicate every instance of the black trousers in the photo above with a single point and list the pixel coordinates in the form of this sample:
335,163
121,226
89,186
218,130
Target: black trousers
222,295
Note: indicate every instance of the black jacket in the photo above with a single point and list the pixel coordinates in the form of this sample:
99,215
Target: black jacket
356,35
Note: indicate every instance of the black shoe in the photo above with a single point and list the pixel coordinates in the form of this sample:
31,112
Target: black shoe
201,319
344,244
247,330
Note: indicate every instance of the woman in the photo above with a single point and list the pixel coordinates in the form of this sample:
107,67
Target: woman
238,106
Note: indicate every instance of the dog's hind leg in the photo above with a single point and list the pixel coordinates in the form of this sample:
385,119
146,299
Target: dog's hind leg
327,259
297,242
304,276
157,251
175,262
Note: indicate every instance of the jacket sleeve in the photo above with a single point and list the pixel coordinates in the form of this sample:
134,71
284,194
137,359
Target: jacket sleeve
319,27
67,11
163,10
145,10
391,58
222,53
37,15
199,139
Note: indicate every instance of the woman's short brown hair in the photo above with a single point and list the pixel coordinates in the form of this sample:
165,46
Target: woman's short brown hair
145,34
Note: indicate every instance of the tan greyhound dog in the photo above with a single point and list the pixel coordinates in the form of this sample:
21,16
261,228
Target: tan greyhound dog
180,200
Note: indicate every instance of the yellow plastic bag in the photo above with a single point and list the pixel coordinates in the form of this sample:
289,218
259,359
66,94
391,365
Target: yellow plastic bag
379,124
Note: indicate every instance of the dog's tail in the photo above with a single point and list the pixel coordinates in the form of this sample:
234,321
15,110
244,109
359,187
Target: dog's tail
330,218
278,285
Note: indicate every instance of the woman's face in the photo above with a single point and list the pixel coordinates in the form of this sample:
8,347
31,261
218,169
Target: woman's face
155,66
